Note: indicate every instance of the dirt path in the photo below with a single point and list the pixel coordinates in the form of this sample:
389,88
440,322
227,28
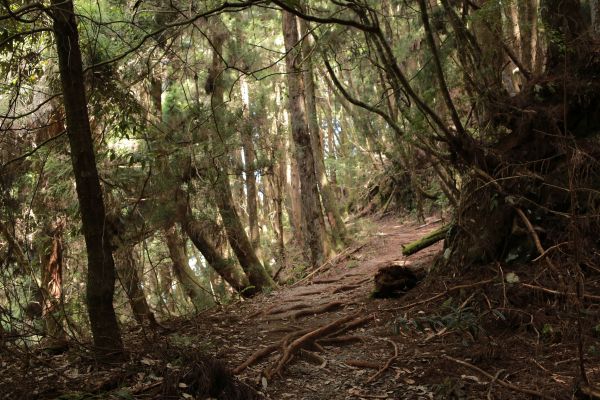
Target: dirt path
352,364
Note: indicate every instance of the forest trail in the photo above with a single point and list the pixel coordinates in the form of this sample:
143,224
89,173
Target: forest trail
356,359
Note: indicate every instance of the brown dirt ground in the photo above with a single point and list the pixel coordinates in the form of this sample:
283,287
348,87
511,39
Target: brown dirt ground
518,337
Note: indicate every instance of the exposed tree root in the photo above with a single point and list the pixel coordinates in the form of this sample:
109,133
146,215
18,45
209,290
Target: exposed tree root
325,281
346,288
387,364
362,364
293,307
334,305
310,293
317,359
352,325
340,340
265,351
304,340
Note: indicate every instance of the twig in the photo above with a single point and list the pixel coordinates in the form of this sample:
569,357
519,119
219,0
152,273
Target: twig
501,382
387,364
557,293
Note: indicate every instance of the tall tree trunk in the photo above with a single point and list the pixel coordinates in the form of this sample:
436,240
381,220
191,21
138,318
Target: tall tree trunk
311,207
250,167
130,280
101,269
238,239
330,204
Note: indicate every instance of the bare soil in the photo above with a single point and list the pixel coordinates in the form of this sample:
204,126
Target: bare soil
482,336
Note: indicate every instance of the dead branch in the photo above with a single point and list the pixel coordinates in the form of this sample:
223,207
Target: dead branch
387,364
501,382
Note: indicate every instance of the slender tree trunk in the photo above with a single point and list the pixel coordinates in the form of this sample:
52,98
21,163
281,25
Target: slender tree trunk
338,229
130,280
101,269
311,207
238,239
250,167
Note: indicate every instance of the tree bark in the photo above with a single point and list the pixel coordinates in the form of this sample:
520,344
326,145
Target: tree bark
330,204
130,280
311,207
238,239
101,268
228,270
184,274
250,167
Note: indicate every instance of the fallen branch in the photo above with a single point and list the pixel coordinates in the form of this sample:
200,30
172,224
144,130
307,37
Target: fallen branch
501,382
387,364
426,241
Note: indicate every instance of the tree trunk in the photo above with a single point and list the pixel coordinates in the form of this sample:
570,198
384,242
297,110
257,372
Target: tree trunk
101,269
228,270
184,274
330,204
311,207
52,266
250,167
130,280
238,239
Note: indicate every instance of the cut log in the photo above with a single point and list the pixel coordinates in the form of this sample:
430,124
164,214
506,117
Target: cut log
425,241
